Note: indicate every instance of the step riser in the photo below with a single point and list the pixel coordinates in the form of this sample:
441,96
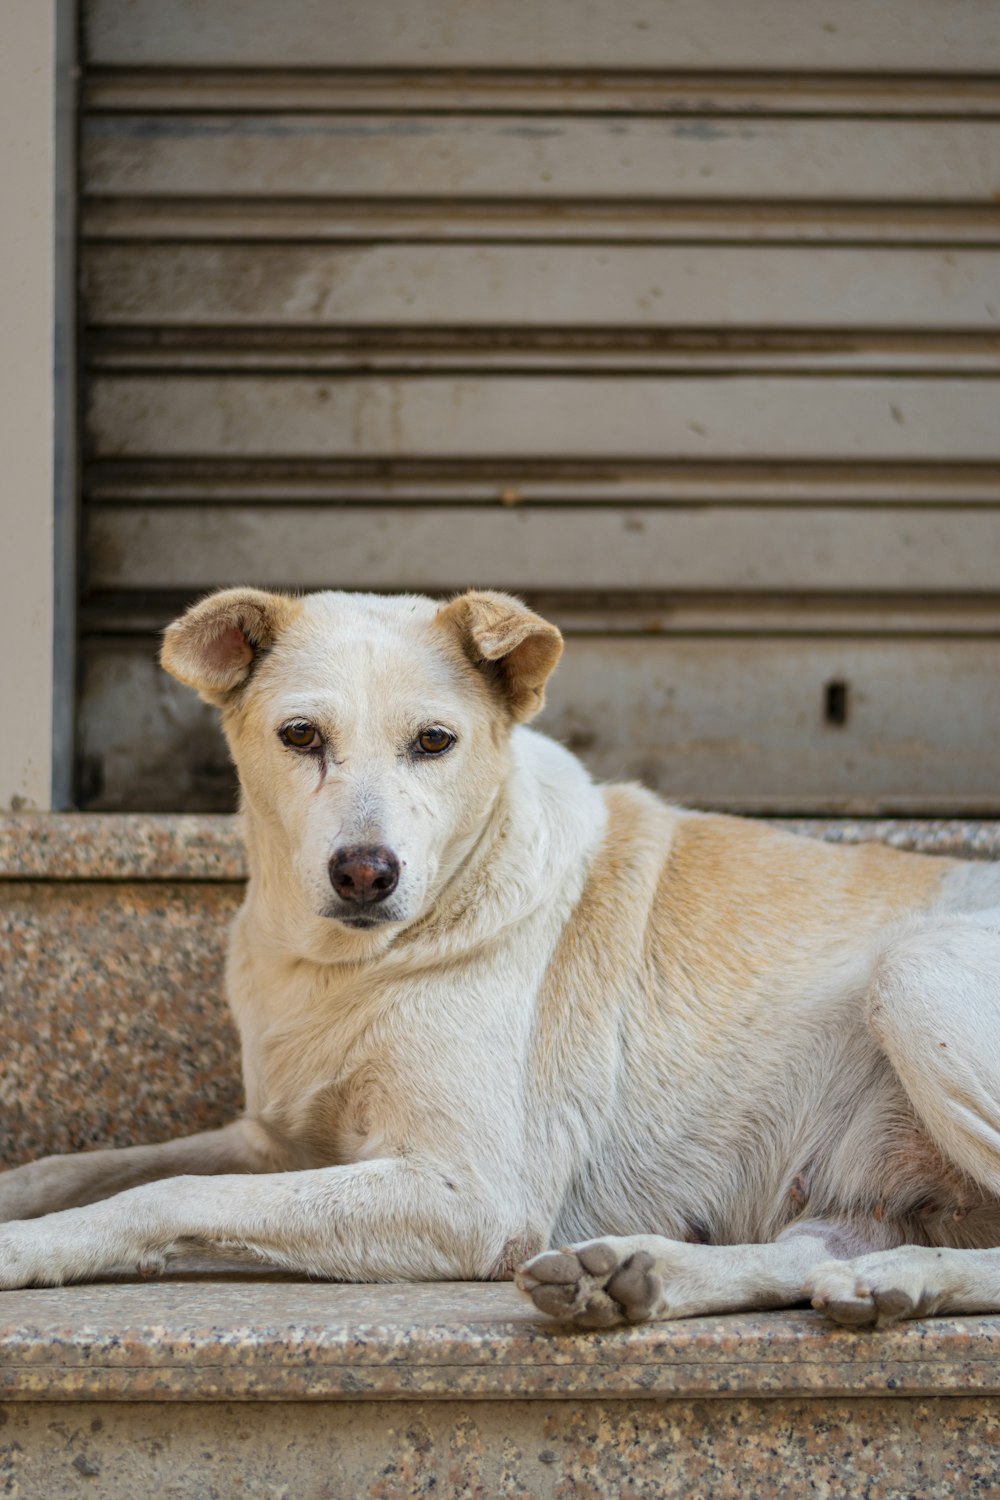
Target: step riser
115,1026
544,1450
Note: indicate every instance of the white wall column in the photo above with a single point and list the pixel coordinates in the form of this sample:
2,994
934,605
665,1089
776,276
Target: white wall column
37,467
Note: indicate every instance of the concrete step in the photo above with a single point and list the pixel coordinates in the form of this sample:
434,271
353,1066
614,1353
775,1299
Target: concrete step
265,1386
213,1383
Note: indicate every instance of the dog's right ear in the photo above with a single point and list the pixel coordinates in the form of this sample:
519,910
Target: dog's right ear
213,647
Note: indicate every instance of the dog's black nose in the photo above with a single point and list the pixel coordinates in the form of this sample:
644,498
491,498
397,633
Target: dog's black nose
364,873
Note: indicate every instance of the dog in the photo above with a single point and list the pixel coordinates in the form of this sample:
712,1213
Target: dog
499,1020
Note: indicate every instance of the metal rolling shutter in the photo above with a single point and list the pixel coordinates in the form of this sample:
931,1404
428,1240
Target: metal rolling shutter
678,317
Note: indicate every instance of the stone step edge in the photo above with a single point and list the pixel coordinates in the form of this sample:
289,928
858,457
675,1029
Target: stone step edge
248,1338
121,846
209,847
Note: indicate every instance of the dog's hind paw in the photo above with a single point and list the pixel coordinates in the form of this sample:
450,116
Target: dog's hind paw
594,1285
878,1289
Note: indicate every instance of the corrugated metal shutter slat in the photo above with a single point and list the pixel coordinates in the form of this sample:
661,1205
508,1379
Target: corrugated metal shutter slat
682,318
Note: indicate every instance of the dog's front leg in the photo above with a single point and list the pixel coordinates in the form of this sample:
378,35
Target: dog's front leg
639,1277
57,1182
381,1220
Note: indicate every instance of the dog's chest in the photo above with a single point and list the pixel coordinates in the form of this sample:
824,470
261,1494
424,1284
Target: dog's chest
392,1060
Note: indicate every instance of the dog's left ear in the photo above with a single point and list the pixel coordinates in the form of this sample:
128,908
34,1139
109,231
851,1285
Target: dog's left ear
214,647
519,648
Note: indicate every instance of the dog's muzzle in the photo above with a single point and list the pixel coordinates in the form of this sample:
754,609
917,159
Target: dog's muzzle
364,874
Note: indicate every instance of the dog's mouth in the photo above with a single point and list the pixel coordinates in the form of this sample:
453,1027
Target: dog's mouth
359,922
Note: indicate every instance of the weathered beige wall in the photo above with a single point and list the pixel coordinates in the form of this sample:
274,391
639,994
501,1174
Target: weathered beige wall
27,268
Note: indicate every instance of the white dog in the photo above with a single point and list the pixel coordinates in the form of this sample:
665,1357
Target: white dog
487,1006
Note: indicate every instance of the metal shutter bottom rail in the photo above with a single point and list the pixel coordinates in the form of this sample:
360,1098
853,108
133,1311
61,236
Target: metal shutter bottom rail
739,722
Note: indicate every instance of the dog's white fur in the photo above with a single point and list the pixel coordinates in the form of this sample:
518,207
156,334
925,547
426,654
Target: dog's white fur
581,1016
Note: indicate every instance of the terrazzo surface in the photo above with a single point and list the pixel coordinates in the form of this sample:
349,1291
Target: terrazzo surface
273,1387
938,1449
254,1337
114,1026
187,846
121,846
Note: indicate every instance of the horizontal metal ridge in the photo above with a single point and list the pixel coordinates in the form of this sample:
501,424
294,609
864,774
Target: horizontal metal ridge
137,616
442,482
509,158
289,217
497,415
839,550
536,91
511,351
855,36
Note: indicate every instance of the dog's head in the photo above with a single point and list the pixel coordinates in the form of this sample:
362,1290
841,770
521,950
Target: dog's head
371,734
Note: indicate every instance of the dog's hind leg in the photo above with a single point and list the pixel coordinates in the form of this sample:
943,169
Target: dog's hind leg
57,1182
915,1281
934,1007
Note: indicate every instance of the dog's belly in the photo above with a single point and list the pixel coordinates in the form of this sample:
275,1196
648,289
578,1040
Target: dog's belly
837,1139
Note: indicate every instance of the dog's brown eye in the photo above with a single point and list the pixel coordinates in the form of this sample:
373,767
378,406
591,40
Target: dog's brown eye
301,736
433,741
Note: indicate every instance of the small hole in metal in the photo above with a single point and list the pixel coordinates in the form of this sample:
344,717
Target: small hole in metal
835,703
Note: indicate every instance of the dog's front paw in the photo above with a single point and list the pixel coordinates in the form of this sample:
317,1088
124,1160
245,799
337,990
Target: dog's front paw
594,1285
875,1290
78,1244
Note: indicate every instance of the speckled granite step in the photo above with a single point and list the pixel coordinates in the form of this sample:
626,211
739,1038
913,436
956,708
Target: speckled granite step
263,1387
112,933
233,1336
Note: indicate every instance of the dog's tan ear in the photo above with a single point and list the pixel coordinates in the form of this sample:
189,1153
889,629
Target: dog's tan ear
520,647
213,647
